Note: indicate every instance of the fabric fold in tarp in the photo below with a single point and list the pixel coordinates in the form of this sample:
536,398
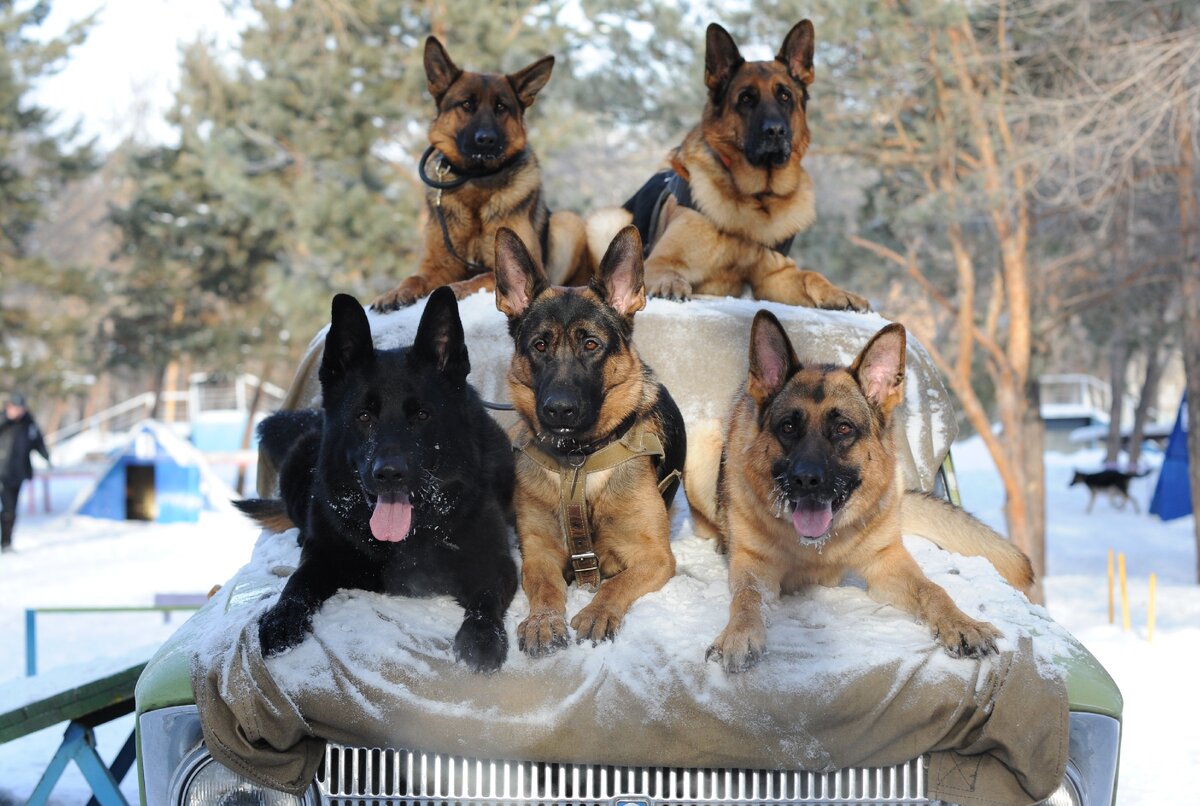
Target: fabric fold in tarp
847,682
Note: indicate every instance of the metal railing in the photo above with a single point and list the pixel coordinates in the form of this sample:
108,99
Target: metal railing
31,614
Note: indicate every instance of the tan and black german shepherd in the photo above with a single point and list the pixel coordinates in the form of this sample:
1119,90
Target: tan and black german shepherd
808,491
484,176
724,214
600,443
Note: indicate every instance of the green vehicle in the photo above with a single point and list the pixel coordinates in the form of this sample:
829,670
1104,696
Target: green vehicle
176,768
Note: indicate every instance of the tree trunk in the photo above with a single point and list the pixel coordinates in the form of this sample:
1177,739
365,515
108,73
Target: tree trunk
1154,370
1033,438
160,380
1118,366
248,431
1189,268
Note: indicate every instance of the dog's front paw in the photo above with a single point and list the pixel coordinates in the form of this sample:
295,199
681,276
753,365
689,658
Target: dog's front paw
670,285
481,643
964,637
283,626
738,650
542,634
409,291
838,299
596,623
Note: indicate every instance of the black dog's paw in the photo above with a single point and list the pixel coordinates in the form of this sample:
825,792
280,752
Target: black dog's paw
283,626
481,643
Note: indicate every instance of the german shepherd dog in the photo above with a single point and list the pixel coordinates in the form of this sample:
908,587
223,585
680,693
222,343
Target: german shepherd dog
1113,482
724,214
808,491
486,177
401,487
580,389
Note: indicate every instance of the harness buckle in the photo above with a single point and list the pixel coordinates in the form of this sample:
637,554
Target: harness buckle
587,569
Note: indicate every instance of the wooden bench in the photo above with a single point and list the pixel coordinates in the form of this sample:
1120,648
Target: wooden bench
83,696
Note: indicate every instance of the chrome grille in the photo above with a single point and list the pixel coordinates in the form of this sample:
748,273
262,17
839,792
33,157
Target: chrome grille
357,776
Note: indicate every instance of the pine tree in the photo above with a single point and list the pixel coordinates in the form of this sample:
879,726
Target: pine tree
39,301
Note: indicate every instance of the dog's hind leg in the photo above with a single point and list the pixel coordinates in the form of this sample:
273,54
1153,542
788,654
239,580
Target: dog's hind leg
1091,500
1133,502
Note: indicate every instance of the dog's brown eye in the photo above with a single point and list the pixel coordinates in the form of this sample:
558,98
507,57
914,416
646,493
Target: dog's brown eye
364,416
540,345
843,429
469,105
784,96
422,414
591,345
788,427
745,98
501,108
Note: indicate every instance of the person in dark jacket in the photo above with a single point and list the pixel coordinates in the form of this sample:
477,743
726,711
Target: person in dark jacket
19,437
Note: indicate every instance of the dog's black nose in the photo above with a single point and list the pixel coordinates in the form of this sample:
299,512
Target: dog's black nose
807,477
774,129
390,471
485,138
560,410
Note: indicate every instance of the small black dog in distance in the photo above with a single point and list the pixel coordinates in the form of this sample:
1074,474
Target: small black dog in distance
403,486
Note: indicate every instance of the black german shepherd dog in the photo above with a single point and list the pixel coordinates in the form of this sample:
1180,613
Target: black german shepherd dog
403,486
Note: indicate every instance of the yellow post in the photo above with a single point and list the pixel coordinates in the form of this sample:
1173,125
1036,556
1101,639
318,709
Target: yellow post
1110,587
1150,611
1124,591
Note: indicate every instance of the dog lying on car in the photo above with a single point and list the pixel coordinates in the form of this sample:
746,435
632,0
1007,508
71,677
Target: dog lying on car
724,214
807,491
600,443
485,175
401,485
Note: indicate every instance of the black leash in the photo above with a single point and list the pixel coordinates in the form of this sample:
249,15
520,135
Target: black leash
439,184
443,169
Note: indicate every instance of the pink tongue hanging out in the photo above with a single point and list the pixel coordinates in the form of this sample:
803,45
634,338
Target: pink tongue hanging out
810,521
392,518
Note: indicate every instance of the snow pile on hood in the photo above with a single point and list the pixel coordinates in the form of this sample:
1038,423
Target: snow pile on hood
841,631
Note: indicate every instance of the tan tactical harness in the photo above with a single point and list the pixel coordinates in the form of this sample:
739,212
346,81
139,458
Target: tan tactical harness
572,470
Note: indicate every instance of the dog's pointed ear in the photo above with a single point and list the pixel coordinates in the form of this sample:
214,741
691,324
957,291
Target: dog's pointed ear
519,279
348,341
721,58
528,81
621,278
879,368
440,71
797,52
772,359
440,340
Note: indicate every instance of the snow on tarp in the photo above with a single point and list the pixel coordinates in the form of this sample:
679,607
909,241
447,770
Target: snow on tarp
847,681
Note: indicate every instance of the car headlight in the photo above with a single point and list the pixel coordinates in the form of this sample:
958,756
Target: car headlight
1091,776
1067,793
202,781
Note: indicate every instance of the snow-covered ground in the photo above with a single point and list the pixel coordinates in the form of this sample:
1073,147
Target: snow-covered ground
85,562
